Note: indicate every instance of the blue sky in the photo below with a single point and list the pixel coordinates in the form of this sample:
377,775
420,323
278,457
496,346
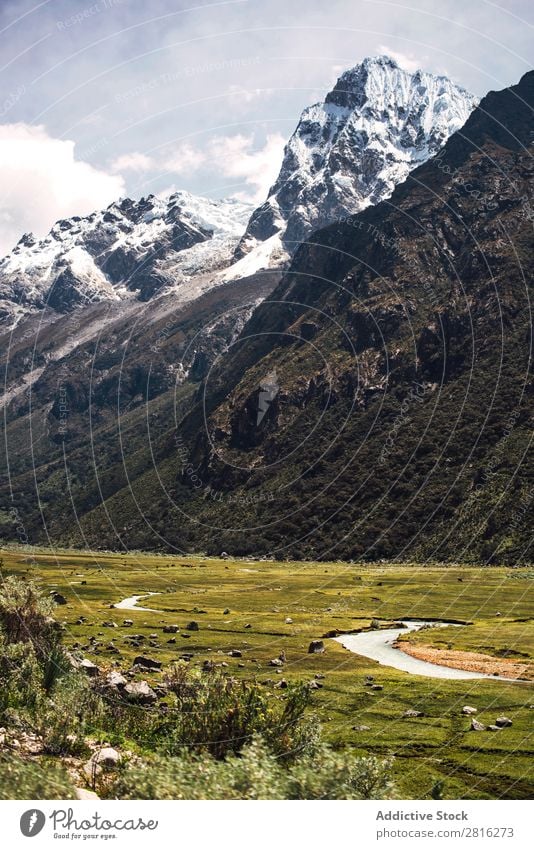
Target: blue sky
112,97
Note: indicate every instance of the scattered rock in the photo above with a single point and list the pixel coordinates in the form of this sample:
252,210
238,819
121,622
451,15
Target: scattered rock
477,726
467,710
361,727
224,555
289,620
248,625
81,793
412,714
503,722
377,687
109,624
127,623
192,626
172,640
90,668
146,662
316,647
281,685
314,685
170,629
107,758
57,597
493,728
140,693
116,679
276,662
235,653
226,611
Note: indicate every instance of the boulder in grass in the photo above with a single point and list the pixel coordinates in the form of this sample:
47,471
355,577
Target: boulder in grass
90,668
106,758
192,626
82,794
316,647
58,598
477,726
467,710
412,714
170,629
235,653
116,679
146,662
503,722
140,693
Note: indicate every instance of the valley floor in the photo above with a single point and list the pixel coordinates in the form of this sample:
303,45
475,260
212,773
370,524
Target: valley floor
252,612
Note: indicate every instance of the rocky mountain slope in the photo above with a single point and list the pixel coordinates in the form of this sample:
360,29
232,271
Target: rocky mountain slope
131,249
349,152
392,367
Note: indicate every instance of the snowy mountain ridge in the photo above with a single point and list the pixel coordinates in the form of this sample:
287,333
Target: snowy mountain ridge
347,152
130,249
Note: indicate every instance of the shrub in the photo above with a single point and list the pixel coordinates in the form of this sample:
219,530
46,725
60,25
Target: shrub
219,714
29,779
257,774
26,618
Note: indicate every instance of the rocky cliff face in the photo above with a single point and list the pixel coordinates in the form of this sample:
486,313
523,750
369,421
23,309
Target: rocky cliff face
349,152
401,344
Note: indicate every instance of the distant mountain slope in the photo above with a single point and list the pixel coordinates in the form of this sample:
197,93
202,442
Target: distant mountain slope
349,152
393,370
131,249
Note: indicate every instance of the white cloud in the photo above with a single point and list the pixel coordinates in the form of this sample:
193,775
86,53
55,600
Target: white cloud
230,157
185,159
235,157
132,162
42,181
407,61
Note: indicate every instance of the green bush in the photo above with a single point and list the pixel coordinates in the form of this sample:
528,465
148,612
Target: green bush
29,779
257,774
26,618
72,710
218,714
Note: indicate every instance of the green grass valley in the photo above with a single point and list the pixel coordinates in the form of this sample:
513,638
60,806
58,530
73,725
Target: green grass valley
250,622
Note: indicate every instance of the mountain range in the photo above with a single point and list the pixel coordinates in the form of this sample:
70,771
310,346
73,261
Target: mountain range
374,310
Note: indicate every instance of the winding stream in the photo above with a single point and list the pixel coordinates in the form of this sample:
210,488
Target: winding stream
378,645
130,603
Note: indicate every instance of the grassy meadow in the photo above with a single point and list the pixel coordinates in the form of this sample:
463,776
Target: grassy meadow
261,610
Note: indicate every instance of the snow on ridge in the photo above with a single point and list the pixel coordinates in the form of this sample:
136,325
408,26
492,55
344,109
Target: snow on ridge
350,151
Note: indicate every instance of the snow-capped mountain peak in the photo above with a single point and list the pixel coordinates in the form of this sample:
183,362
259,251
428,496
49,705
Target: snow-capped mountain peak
350,151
